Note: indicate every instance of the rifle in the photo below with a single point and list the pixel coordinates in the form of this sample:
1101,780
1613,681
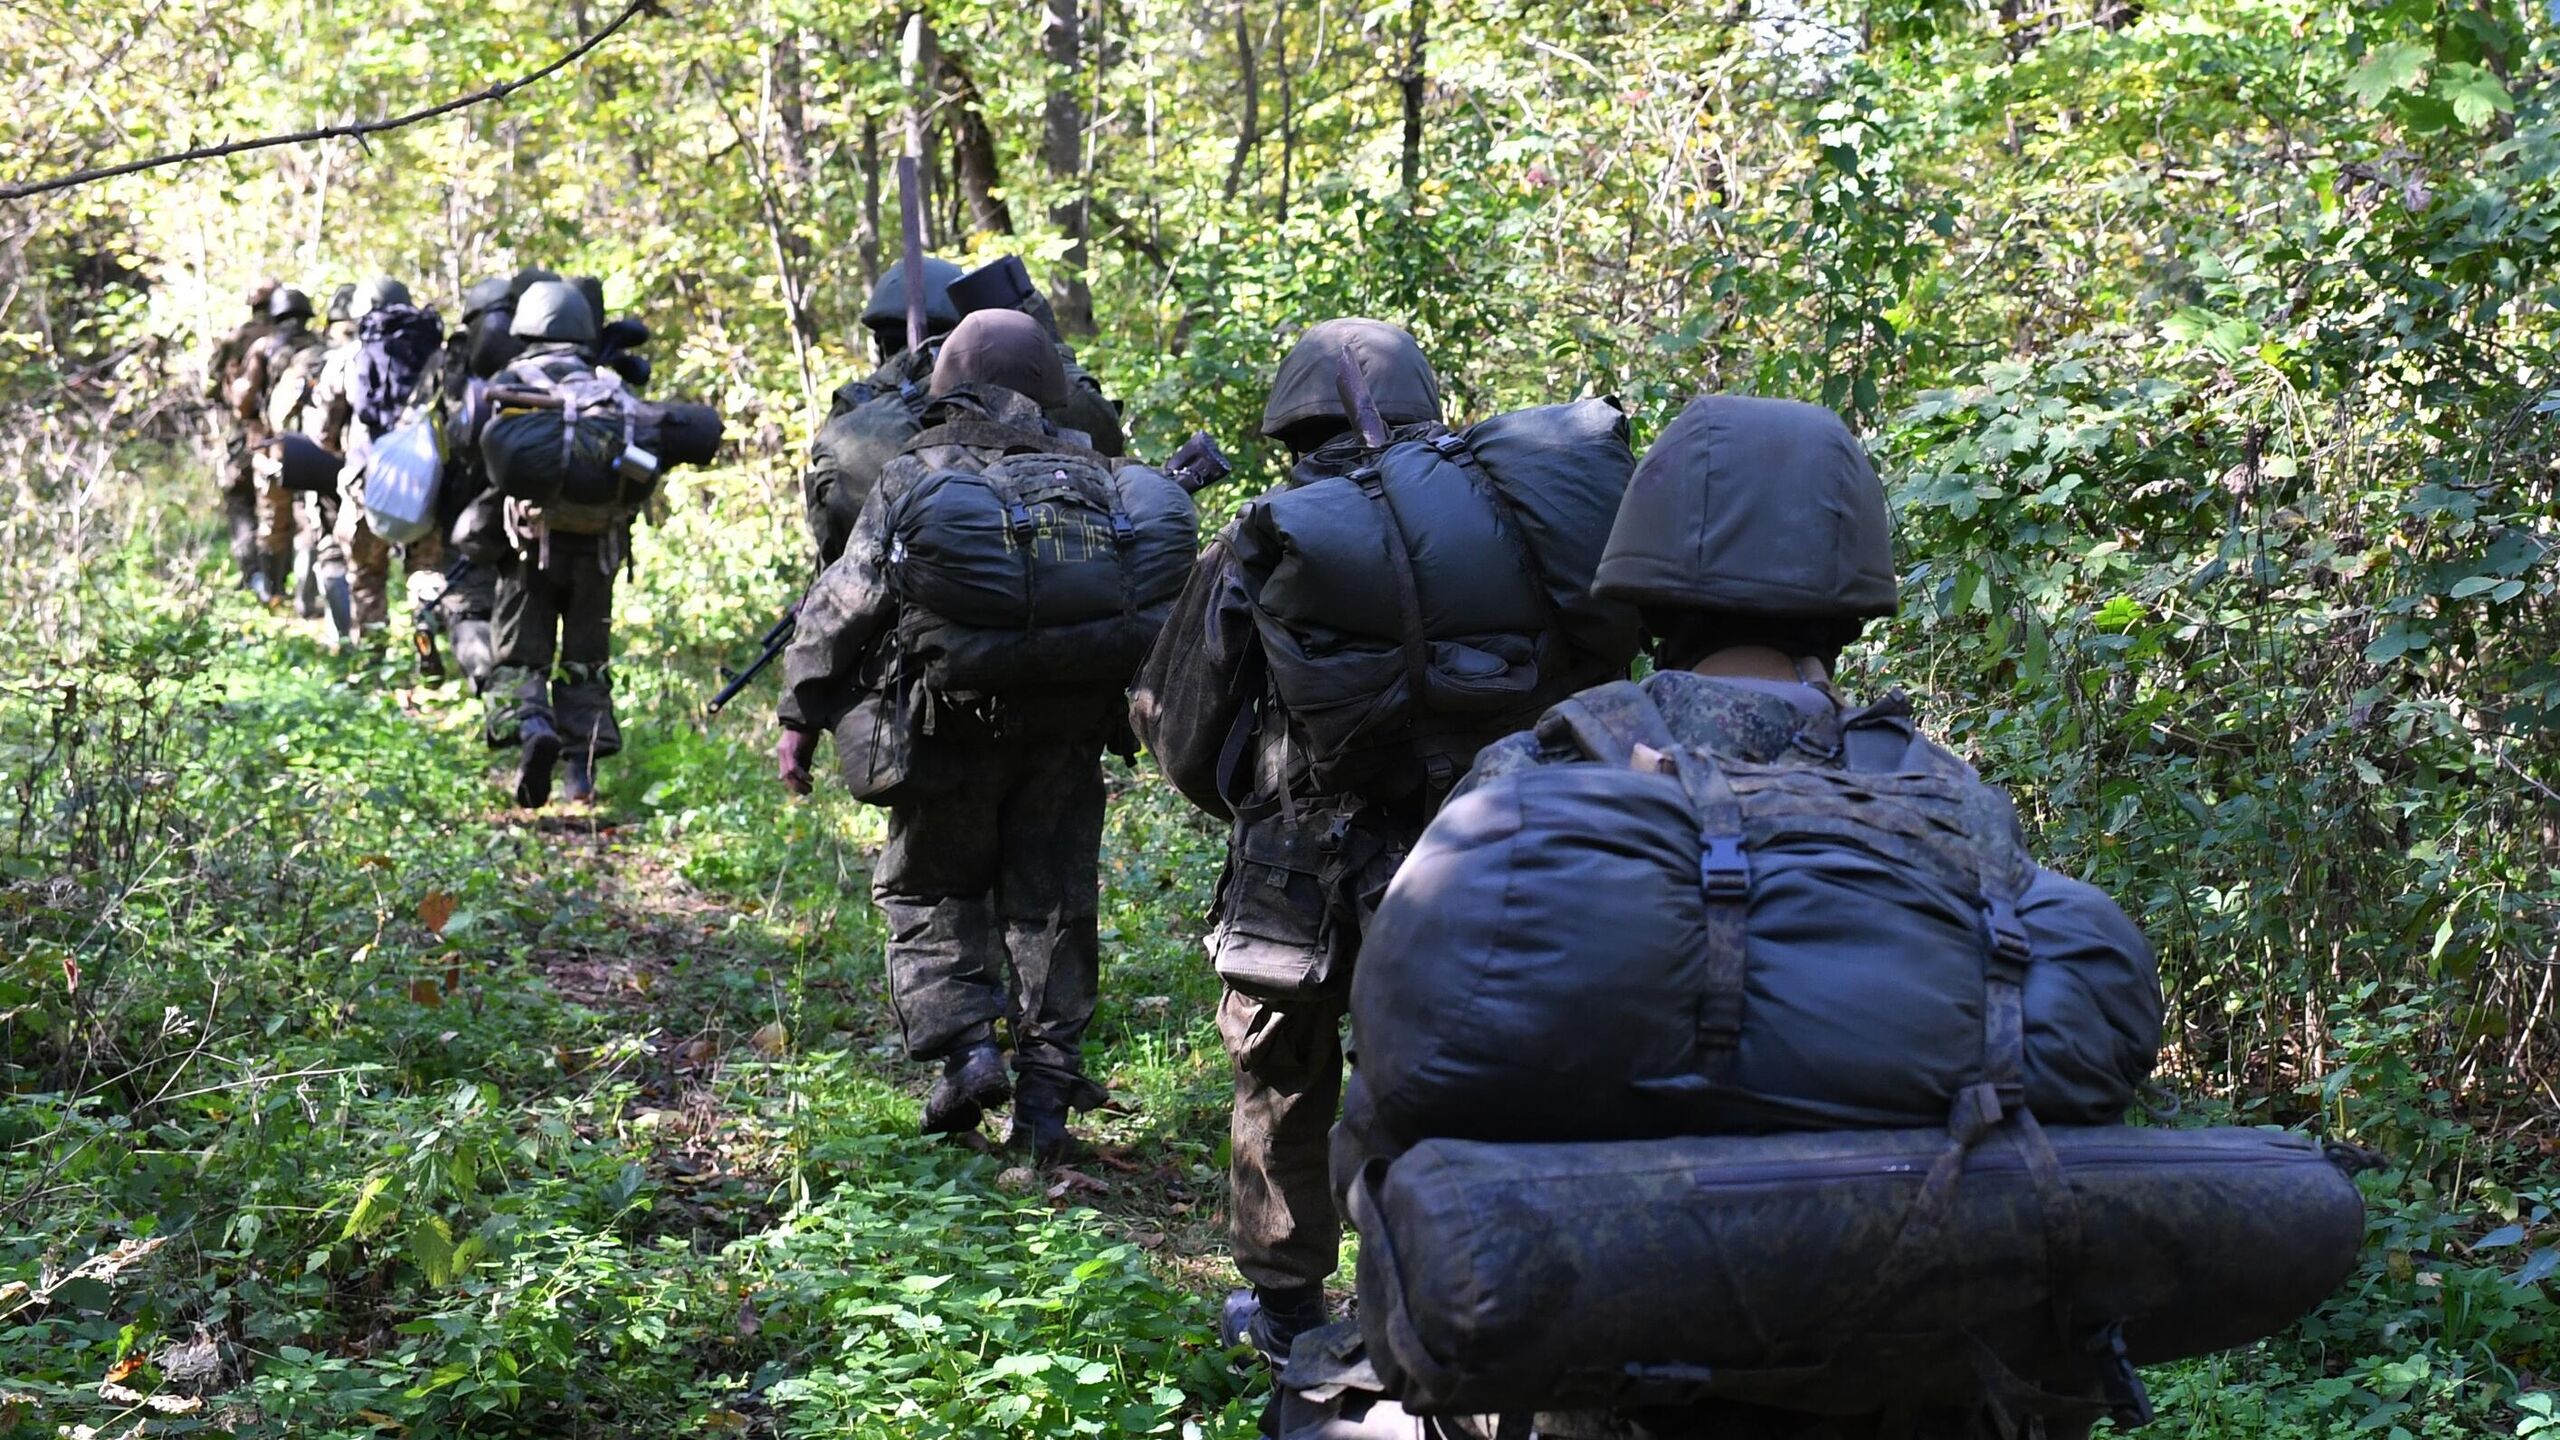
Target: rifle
911,223
1198,464
1357,407
775,641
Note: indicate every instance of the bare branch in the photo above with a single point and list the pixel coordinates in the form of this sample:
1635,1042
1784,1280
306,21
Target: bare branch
357,129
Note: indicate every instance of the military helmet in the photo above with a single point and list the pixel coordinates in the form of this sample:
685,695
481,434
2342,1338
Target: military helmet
554,310
886,313
341,303
1002,347
379,293
495,293
1753,507
261,290
526,278
1304,389
288,302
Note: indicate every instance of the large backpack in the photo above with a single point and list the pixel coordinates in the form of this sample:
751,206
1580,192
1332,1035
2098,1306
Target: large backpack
1685,1079
1439,595
871,425
1047,566
586,460
1668,942
394,346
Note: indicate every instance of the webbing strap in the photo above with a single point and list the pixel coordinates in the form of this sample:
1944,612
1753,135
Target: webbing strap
1417,658
2005,956
1724,878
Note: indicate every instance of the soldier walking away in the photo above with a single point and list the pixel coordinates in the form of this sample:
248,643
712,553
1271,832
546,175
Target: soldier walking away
872,417
990,877
1395,638
550,697
475,547
275,389
370,380
224,383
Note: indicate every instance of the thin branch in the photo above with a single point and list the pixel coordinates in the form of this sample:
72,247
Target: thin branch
357,129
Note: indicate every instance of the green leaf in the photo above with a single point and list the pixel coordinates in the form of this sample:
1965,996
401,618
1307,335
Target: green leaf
2475,95
2500,1238
2400,65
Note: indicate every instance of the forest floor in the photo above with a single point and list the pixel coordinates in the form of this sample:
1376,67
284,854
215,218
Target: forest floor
348,1100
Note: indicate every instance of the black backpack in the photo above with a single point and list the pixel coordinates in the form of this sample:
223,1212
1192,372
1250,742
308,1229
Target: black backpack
395,345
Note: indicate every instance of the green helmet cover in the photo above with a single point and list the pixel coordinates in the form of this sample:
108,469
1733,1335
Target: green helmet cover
378,293
886,313
288,301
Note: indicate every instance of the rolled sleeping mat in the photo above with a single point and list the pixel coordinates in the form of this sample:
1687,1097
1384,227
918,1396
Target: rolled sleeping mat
307,468
1765,1269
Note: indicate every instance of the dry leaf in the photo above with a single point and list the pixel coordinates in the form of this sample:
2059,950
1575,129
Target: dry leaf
698,1051
434,910
425,991
748,1321
771,1040
724,1420
123,1369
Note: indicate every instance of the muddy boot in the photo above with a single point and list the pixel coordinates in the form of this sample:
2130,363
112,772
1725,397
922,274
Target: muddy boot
540,750
1039,1130
578,778
1270,1320
973,1078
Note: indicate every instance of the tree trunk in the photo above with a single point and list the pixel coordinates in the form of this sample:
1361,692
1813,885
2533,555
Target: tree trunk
973,152
867,239
791,127
1249,133
1062,39
1412,83
1288,109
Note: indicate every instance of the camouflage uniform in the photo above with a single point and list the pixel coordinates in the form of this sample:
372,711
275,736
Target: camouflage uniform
278,374
225,379
989,880
348,544
553,621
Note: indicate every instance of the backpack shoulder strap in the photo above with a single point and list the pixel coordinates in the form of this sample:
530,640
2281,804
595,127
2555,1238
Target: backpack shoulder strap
1606,723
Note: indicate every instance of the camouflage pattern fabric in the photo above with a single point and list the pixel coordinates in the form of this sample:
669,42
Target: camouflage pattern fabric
990,892
1738,720
233,477
555,611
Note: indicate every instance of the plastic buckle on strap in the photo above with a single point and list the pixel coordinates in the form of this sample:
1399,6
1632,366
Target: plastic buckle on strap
2008,934
1724,869
1017,517
1123,533
1449,446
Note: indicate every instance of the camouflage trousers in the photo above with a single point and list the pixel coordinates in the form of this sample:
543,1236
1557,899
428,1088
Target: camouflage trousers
990,889
470,599
556,611
256,507
368,562
1288,1061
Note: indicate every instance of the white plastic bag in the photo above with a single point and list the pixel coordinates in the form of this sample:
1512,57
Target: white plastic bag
401,477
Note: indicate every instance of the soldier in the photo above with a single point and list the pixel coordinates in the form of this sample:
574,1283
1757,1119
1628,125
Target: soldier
555,588
989,879
276,383
872,417
475,546
387,347
1288,1056
224,373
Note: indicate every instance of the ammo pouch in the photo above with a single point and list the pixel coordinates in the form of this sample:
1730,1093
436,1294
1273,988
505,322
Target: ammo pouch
883,743
1291,902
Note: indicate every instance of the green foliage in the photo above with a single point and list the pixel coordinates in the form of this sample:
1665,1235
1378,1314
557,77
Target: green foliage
2207,347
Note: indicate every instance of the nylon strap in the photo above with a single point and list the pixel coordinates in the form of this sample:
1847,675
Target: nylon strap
1724,879
1417,660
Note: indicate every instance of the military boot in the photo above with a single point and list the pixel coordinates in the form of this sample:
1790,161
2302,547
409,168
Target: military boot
341,604
540,751
973,1078
1270,1319
578,778
1039,1129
